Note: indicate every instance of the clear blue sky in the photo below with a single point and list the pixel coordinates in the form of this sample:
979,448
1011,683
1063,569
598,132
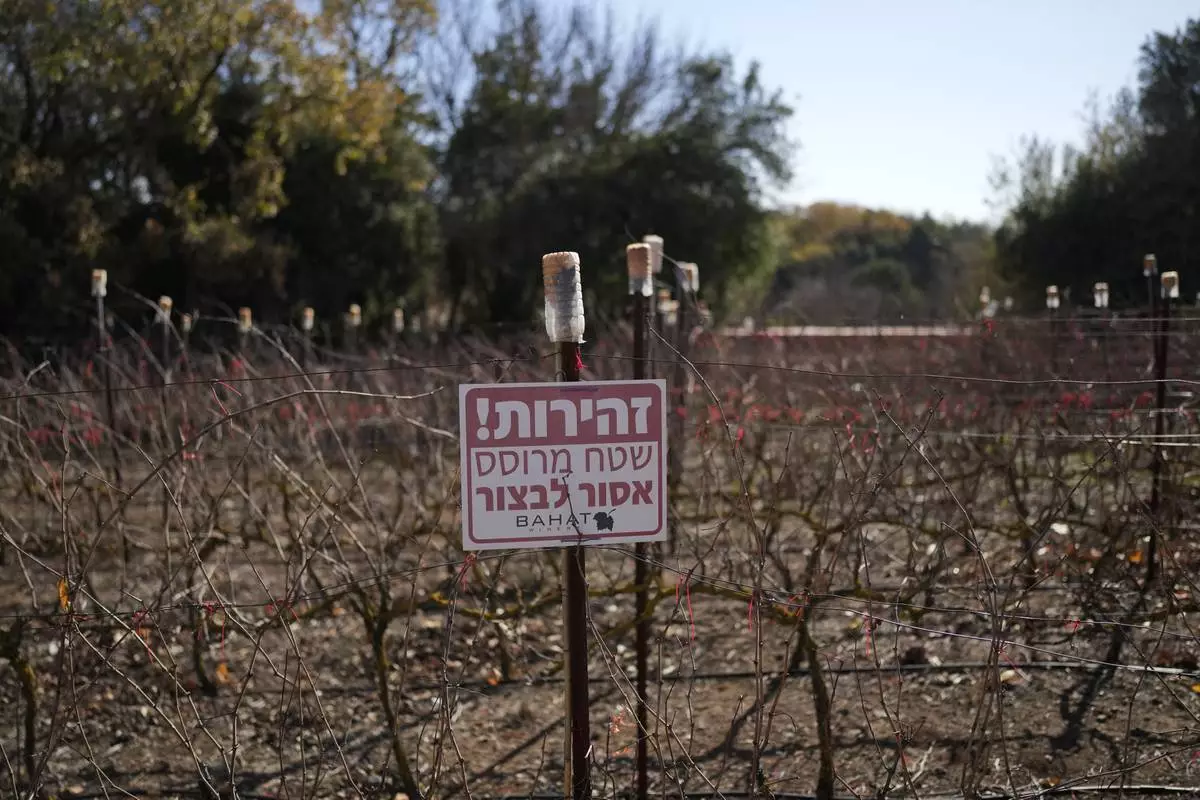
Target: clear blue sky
902,103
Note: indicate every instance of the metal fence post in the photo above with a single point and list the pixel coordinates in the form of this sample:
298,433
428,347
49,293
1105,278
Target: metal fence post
565,325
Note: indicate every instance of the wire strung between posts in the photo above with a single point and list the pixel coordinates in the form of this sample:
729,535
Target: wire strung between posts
776,597
832,374
926,376
812,372
345,588
280,377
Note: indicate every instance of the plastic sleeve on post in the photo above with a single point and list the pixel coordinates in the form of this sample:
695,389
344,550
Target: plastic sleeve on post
688,275
639,260
564,297
1170,284
165,304
245,320
656,251
99,283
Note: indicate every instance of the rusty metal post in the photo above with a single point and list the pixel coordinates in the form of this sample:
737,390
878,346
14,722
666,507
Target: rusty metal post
1170,291
638,258
565,325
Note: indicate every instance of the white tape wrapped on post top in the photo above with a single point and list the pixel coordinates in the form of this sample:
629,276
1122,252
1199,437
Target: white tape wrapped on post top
165,304
564,297
639,261
656,251
1170,284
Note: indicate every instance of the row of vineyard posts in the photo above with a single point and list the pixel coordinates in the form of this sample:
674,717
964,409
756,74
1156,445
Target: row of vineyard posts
658,304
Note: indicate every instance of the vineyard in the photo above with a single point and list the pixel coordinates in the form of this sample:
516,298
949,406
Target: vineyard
944,562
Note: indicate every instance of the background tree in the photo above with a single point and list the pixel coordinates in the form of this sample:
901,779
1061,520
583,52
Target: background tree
566,139
1076,217
838,262
280,153
155,138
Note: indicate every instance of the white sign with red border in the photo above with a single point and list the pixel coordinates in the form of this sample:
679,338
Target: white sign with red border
561,464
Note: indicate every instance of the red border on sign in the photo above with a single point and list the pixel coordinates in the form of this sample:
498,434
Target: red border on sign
465,468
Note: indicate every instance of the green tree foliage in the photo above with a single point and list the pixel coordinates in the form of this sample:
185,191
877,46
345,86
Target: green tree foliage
1074,217
185,146
278,153
839,261
568,141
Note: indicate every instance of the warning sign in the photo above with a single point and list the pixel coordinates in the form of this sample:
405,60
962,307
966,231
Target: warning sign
559,464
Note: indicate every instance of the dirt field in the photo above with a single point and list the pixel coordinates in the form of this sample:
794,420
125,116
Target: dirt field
921,560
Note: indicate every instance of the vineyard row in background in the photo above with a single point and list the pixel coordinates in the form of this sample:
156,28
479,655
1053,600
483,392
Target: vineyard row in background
865,530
